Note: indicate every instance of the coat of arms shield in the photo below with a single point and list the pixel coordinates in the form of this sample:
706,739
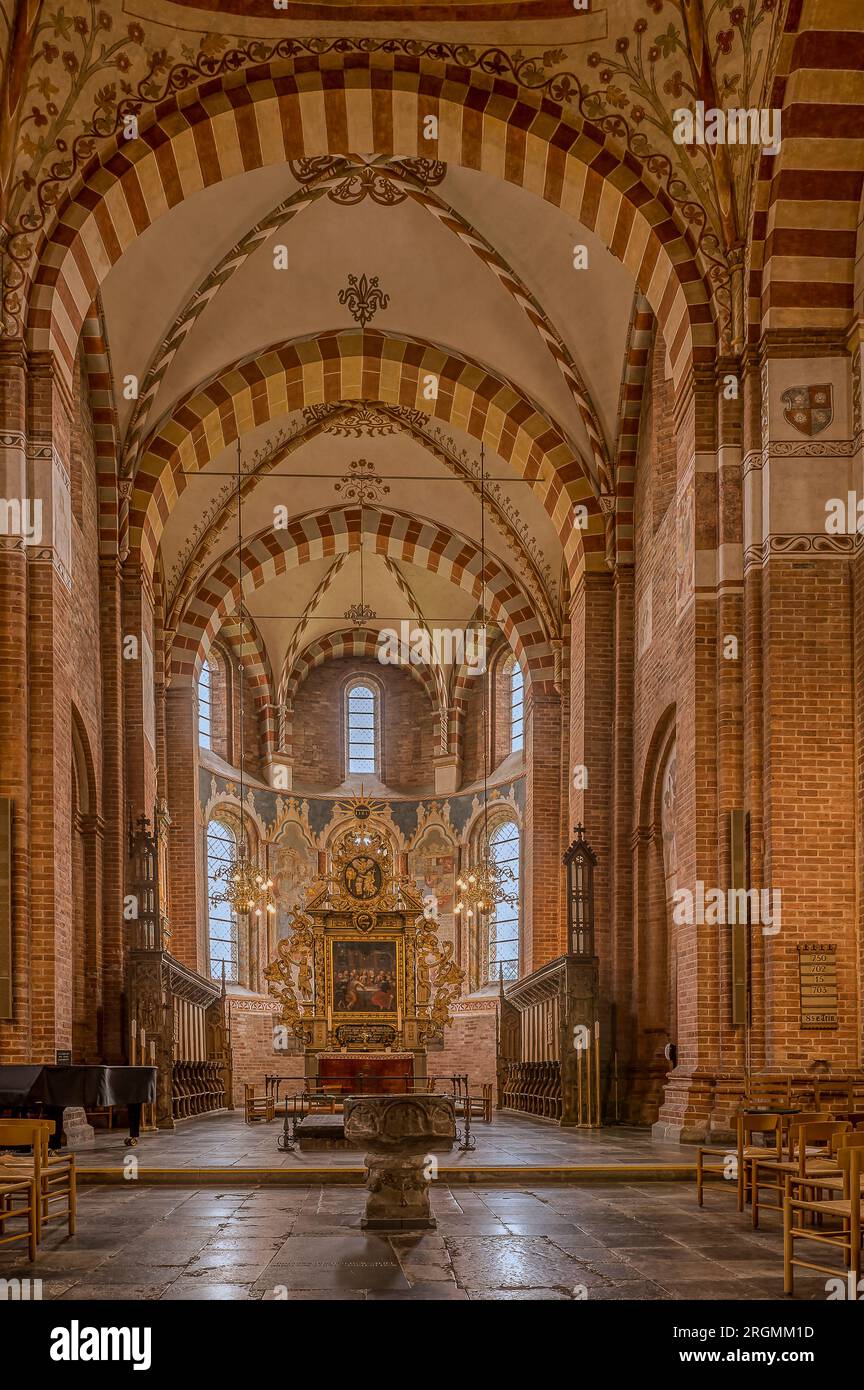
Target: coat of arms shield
809,409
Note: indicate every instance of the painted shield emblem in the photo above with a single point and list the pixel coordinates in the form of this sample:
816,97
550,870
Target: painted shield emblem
809,409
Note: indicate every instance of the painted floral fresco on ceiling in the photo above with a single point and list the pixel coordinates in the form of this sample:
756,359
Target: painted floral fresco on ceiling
78,69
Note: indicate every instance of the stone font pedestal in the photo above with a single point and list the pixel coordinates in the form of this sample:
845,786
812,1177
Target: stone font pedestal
400,1132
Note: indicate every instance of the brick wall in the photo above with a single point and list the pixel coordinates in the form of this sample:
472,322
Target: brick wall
468,1048
253,1051
407,725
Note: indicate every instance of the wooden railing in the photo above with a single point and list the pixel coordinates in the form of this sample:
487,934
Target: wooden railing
197,1087
534,1088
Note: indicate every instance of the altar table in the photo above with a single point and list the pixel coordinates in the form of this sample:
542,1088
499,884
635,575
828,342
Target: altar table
364,1073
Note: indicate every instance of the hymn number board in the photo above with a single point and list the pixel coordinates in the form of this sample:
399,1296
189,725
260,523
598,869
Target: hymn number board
817,973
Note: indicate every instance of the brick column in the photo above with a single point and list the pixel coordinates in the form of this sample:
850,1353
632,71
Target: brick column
808,676
181,724
15,1034
544,926
139,707
50,670
114,810
695,946
591,724
622,943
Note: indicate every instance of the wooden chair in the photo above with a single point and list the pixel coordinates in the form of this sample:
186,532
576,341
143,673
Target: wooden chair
257,1107
10,1191
811,1156
52,1173
745,1150
320,1102
847,1209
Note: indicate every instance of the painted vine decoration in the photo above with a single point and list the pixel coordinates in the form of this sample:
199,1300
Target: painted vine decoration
630,105
164,79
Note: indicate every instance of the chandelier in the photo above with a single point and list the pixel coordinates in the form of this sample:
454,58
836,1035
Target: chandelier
483,886
246,887
361,485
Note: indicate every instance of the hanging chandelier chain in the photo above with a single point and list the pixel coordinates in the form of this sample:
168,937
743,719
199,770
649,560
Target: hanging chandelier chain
246,889
484,886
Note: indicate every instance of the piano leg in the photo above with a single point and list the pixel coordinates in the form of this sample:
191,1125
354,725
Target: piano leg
134,1124
55,1113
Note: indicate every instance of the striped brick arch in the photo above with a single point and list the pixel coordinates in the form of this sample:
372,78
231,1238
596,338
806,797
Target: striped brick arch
371,102
96,364
337,532
809,196
247,645
339,646
640,334
367,365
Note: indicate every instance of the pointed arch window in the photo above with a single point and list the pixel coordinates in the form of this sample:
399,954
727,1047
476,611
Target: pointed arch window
503,952
223,931
362,734
205,705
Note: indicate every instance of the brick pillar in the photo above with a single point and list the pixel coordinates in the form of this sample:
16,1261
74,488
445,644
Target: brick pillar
729,665
139,708
15,1034
544,926
696,947
622,954
181,728
50,671
591,725
808,658
114,808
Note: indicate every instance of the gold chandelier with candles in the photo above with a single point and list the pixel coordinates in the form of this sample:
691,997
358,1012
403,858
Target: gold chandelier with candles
246,887
482,887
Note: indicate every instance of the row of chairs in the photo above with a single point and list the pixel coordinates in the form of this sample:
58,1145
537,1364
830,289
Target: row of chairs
36,1186
812,1164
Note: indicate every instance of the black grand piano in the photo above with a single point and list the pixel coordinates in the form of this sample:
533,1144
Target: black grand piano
53,1088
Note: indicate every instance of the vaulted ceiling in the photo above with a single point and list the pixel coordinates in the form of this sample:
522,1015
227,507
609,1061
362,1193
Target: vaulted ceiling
449,258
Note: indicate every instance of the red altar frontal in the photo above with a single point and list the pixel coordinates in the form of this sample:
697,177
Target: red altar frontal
363,981
367,1073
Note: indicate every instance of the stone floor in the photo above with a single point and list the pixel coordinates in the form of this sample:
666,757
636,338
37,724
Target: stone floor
225,1140
611,1241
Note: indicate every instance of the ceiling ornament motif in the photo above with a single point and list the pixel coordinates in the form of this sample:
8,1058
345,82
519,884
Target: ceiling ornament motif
362,483
320,175
81,102
369,179
363,298
358,418
360,614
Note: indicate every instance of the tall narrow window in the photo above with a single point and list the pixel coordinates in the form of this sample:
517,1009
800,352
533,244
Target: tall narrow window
361,728
222,922
517,699
504,921
205,705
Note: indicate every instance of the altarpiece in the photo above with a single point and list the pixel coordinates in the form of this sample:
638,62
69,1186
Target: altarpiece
362,974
